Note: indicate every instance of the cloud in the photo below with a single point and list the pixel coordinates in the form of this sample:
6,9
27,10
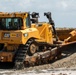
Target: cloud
62,4
14,5
63,11
66,5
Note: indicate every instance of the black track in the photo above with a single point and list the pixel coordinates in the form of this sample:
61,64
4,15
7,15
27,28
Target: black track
21,54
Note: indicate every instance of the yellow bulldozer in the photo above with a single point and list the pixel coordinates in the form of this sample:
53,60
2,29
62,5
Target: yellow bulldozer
24,40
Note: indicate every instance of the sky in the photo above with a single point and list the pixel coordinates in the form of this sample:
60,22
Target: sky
63,11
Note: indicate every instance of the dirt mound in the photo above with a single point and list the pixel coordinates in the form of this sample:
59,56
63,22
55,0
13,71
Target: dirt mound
64,66
67,61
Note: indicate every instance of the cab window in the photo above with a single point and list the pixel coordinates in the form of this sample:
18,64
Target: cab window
27,21
10,23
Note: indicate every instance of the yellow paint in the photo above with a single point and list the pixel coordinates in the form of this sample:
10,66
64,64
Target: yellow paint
42,33
13,35
45,32
65,33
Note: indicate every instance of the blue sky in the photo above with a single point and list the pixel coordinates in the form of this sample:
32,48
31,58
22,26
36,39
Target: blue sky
63,11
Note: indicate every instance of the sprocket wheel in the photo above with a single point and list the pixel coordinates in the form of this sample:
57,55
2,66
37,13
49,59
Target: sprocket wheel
32,48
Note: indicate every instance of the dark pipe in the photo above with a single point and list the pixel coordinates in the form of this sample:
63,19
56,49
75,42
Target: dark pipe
34,16
48,15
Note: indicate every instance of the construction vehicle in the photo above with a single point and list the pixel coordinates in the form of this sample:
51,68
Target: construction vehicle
25,41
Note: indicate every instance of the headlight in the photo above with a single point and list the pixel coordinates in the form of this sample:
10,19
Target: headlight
6,35
25,35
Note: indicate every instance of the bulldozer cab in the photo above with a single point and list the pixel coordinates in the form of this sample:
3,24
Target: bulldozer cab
14,21
10,23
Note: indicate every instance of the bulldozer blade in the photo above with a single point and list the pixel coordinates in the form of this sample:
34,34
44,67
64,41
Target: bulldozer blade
68,46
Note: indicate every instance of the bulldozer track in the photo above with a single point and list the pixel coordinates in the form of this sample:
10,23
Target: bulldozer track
21,54
42,58
39,58
23,58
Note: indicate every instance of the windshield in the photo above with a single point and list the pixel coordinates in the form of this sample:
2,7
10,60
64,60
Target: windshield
10,23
